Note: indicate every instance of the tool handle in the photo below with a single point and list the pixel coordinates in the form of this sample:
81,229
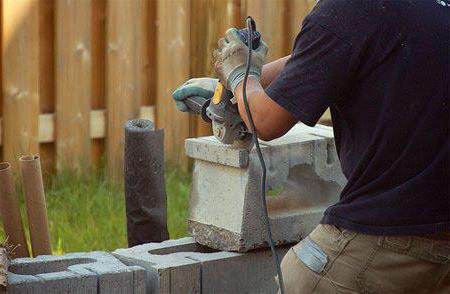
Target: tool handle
198,105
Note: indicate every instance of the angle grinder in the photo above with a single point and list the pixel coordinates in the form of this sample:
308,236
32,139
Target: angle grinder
228,127
222,111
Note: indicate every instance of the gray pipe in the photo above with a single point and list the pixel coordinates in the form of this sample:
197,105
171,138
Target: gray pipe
145,193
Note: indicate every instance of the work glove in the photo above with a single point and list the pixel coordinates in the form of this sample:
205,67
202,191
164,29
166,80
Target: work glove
231,59
203,87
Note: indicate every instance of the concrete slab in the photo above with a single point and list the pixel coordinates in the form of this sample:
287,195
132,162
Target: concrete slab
183,266
94,272
304,177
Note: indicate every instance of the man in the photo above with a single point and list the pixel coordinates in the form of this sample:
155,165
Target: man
382,67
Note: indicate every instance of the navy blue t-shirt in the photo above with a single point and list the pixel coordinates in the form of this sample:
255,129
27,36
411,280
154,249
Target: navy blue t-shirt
383,69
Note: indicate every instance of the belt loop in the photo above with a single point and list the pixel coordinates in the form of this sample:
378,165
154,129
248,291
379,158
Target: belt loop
399,242
380,241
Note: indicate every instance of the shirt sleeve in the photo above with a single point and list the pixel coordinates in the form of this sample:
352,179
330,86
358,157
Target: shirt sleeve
315,76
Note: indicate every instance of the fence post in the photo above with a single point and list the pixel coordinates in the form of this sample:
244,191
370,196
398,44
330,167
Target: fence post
122,100
173,70
73,83
20,72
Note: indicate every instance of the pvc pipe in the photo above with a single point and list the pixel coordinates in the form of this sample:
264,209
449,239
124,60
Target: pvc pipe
10,212
145,193
33,186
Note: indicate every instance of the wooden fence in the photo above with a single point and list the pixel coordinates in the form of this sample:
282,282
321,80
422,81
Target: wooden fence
73,71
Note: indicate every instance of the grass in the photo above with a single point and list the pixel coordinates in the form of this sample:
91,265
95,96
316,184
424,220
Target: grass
87,212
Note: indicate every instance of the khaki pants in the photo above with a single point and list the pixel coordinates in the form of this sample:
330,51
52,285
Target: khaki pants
331,260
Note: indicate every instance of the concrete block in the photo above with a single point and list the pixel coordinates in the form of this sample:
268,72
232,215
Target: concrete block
304,177
183,266
94,272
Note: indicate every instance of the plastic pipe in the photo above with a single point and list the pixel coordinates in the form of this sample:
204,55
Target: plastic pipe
33,186
145,194
10,212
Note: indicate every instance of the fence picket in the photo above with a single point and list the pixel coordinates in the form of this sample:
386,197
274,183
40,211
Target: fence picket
122,20
173,70
73,83
20,73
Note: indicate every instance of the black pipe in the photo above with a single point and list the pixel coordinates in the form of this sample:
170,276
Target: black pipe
145,193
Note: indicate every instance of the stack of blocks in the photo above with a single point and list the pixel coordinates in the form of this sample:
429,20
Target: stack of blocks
225,209
94,272
304,177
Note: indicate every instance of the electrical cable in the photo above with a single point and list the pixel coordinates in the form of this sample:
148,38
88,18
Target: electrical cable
250,24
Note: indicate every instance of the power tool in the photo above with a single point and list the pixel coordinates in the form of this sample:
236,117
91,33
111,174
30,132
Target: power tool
229,128
221,110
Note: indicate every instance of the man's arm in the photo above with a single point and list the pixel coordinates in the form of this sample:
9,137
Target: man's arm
271,70
271,120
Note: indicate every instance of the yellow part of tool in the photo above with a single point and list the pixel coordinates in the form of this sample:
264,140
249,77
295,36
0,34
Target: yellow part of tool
217,98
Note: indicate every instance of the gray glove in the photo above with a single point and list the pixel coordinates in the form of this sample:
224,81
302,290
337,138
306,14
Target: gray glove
203,87
231,59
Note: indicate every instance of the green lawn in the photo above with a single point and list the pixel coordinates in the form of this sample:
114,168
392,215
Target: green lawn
87,212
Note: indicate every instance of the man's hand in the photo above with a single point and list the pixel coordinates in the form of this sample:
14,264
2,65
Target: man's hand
203,87
231,59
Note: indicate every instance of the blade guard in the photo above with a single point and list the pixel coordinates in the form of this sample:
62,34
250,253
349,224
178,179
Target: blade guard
227,125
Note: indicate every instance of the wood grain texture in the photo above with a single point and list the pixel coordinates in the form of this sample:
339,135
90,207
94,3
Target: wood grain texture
97,125
20,72
152,68
73,83
298,10
47,152
210,20
98,70
173,70
122,23
272,20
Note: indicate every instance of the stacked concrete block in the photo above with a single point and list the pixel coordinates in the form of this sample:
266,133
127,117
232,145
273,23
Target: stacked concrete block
225,206
183,266
95,272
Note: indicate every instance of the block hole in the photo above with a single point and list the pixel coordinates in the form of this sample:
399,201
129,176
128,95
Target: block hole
303,190
52,266
183,248
331,153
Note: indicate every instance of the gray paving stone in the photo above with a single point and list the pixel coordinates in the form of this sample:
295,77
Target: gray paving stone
94,272
183,266
225,205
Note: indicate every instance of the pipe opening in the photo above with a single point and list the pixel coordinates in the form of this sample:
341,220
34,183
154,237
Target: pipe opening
29,157
4,165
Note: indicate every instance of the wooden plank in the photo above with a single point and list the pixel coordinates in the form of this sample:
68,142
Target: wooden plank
210,20
46,75
144,31
298,10
73,83
20,49
122,22
98,69
173,70
152,46
271,18
97,124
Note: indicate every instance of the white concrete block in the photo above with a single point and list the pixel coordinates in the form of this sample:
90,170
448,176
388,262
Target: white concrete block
225,207
95,272
183,266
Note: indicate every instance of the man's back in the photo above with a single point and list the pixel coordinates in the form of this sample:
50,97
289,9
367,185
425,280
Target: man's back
383,68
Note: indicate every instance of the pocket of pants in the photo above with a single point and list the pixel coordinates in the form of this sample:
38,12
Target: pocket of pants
391,268
305,270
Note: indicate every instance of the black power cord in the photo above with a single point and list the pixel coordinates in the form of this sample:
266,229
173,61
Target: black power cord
250,27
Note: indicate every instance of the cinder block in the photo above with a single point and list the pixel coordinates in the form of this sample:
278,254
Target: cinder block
183,266
95,272
304,173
